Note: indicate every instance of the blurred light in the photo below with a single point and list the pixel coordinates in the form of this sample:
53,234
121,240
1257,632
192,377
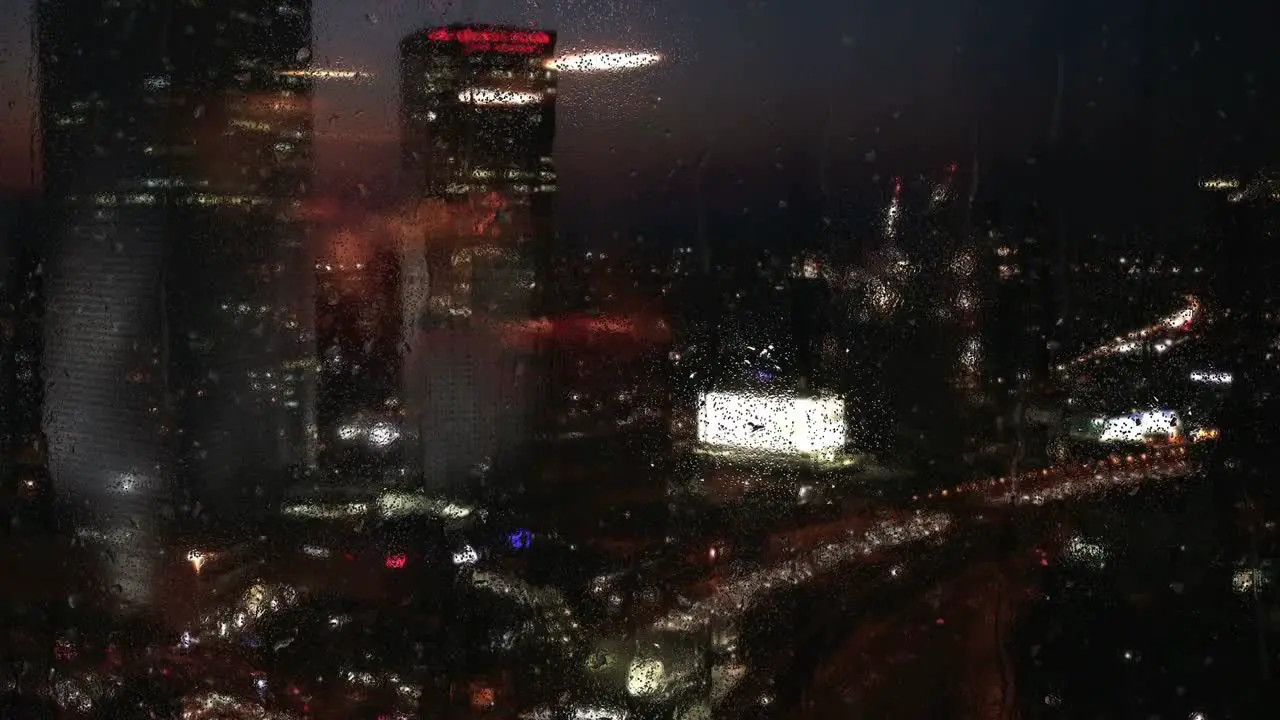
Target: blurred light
772,423
483,38
325,74
466,556
1085,552
327,512
738,594
383,434
520,539
645,677
1181,320
1246,580
1184,317
396,561
1140,426
483,698
1212,378
315,551
398,504
1202,434
488,97
599,62
197,559
1224,183
593,712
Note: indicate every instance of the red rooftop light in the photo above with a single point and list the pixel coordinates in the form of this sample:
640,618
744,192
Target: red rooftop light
475,36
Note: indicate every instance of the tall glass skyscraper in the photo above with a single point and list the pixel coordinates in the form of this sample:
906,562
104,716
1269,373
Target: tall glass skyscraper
478,123
477,131
179,356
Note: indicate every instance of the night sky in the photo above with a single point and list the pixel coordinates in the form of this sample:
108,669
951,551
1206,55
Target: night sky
879,88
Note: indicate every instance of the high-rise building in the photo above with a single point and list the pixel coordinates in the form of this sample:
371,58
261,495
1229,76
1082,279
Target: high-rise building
358,340
478,127
179,353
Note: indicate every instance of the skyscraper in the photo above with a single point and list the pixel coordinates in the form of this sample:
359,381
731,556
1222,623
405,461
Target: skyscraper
478,127
21,311
178,348
358,339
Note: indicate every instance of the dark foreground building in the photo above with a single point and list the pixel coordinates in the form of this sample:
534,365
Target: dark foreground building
21,387
178,339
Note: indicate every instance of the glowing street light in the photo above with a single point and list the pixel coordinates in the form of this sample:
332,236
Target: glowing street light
601,62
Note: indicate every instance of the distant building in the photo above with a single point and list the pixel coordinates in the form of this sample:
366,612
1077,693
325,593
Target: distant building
477,127
358,341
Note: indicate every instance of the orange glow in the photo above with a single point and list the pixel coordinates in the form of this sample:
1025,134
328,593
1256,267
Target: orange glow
483,698
585,329
197,560
427,223
267,105
321,209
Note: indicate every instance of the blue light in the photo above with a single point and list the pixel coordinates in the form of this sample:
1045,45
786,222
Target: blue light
520,539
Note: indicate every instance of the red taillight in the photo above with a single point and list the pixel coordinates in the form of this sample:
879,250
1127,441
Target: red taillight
397,561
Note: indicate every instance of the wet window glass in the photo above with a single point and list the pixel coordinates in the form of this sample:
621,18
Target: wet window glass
638,359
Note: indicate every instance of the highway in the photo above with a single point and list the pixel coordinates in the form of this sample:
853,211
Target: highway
913,582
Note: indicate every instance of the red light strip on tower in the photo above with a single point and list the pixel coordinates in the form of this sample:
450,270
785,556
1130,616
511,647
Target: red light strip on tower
506,41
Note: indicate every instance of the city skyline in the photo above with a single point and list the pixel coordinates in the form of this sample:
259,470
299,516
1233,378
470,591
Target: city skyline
866,88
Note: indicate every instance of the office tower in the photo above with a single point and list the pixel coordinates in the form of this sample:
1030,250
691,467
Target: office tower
1022,301
478,125
914,356
358,340
178,344
810,299
477,128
